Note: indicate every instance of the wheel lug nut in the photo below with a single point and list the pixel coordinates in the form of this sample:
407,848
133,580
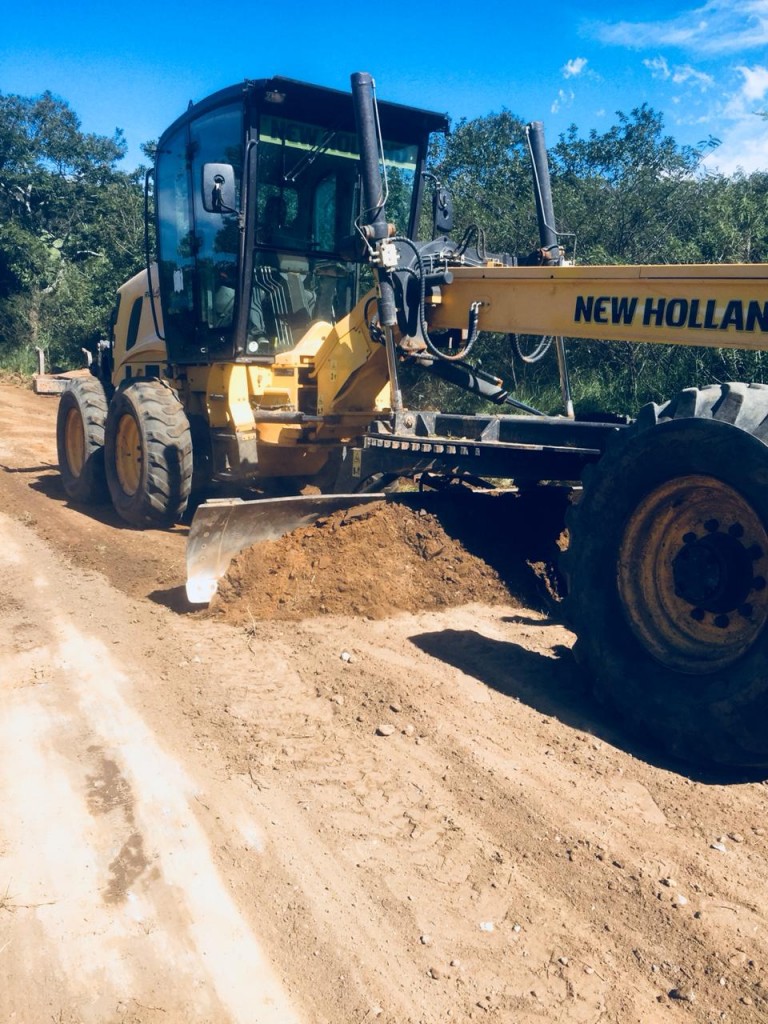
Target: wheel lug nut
697,614
737,530
689,538
745,610
712,526
758,583
722,621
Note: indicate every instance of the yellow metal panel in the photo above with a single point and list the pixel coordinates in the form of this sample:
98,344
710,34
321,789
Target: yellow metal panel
718,306
350,368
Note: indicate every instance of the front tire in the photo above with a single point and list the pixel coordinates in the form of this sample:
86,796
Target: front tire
148,449
668,575
80,421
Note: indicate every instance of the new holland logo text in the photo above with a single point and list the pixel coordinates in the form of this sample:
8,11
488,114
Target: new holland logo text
693,314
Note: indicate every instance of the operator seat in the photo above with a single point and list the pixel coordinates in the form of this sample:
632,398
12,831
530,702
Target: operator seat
281,278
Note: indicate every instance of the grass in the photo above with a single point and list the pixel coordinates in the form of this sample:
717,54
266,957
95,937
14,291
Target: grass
6,900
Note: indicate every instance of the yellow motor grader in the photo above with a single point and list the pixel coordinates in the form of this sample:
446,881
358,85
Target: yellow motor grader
262,348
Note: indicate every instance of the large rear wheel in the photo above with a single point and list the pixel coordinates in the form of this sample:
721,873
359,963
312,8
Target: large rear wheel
80,421
668,570
148,450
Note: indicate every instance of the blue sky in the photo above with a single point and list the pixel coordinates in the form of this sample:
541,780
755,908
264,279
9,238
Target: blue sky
704,65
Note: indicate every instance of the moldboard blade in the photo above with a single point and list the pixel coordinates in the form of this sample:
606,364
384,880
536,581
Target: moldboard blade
223,528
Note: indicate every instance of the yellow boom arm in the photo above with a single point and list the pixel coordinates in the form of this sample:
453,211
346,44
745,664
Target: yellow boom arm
717,306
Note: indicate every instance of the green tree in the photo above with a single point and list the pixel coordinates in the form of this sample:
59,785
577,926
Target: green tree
484,162
627,195
71,228
631,195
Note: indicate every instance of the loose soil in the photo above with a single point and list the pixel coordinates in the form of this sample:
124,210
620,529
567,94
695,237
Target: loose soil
394,802
369,561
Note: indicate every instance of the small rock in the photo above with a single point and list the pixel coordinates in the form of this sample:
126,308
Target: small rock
720,847
436,973
425,940
563,960
455,963
486,926
736,837
395,707
409,730
680,900
385,729
338,698
346,656
589,970
684,995
669,882
516,928
758,831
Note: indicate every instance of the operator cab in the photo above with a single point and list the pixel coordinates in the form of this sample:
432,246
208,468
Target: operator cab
257,200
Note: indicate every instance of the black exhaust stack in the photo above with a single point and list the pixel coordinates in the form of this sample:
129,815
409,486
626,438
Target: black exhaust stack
374,227
374,218
551,253
542,187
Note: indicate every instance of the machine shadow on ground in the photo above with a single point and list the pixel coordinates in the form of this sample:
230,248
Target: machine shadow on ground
554,686
175,600
49,483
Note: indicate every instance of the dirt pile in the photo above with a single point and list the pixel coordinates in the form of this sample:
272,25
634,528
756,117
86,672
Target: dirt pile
370,561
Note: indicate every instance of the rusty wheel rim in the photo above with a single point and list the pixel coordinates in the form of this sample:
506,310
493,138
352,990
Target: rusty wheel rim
74,442
692,573
129,455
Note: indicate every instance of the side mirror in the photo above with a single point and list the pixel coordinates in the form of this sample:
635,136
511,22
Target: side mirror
442,211
219,194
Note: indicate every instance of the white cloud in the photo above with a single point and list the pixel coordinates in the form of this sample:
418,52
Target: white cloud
684,73
755,82
744,135
658,66
744,147
740,103
573,68
680,74
719,26
564,99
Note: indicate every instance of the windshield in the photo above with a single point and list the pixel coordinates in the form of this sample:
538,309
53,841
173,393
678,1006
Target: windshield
307,205
308,194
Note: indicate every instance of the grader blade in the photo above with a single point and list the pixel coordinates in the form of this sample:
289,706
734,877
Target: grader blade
223,528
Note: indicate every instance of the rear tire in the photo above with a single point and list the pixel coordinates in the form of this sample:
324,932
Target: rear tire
148,454
80,421
668,575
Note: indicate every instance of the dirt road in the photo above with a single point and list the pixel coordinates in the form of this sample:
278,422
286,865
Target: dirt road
417,818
